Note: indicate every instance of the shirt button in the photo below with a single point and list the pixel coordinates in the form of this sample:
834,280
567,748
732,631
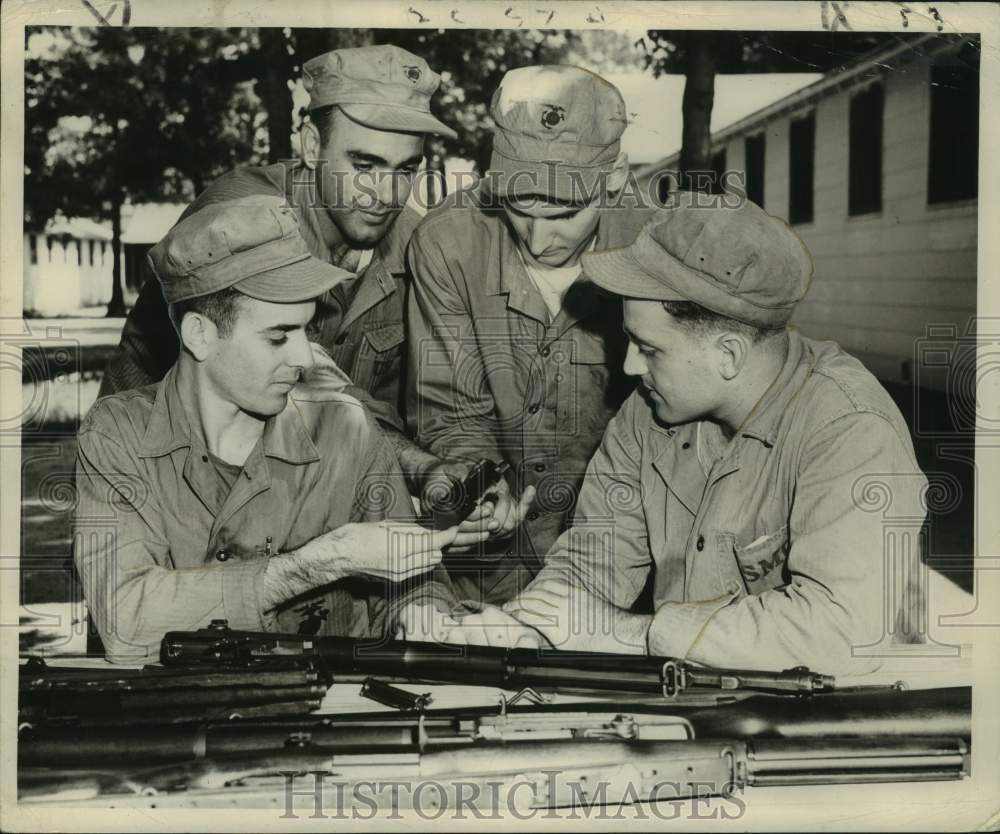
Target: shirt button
545,350
533,408
539,467
685,445
559,377
204,458
532,516
222,555
700,544
340,339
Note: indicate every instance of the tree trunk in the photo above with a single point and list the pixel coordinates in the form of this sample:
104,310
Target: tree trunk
274,91
116,306
696,107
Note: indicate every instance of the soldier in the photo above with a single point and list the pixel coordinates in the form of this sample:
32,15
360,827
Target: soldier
731,478
512,355
233,489
364,142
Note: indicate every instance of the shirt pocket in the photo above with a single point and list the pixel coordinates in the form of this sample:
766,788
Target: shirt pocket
762,561
379,349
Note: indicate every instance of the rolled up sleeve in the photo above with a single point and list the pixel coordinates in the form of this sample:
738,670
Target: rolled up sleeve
834,599
125,562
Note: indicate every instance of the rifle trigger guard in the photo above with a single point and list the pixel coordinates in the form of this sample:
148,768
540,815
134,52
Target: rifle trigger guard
673,678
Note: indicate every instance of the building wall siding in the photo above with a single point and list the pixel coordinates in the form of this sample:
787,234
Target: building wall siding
881,279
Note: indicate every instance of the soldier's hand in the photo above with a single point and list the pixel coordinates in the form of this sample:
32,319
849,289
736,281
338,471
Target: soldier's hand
493,627
508,513
422,621
441,487
544,605
383,549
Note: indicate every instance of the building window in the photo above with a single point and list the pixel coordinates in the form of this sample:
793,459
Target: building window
754,149
864,178
718,171
953,158
79,253
33,249
91,253
801,154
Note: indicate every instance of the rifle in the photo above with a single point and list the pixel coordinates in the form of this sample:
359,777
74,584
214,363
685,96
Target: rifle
153,694
688,727
565,772
221,647
882,714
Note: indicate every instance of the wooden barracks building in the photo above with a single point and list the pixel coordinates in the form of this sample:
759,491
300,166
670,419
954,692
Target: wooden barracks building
875,166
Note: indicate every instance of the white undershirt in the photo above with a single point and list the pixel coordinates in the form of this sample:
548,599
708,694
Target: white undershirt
554,282
364,260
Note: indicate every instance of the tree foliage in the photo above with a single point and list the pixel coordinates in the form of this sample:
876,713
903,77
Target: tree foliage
132,114
137,113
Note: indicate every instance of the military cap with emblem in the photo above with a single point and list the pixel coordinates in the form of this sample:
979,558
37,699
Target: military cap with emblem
558,131
383,87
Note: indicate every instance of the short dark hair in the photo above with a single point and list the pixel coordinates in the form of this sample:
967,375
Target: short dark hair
221,308
705,321
324,118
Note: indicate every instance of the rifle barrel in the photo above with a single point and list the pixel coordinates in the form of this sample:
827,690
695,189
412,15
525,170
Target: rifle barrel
483,665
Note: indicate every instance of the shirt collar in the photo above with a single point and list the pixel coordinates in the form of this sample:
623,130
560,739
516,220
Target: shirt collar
772,406
168,428
173,425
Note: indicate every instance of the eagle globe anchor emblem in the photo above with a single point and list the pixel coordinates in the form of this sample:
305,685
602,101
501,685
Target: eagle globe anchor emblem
552,114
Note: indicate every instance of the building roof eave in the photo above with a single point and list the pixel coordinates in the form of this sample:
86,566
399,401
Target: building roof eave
829,83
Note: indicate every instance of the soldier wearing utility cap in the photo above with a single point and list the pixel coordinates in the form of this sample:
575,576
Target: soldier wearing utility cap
513,356
369,112
735,478
238,487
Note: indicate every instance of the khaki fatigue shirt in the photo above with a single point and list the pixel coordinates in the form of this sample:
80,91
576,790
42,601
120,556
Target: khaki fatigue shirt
490,376
161,544
361,328
776,557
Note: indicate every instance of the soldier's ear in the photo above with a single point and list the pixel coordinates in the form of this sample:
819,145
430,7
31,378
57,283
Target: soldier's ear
734,348
311,144
619,174
197,334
